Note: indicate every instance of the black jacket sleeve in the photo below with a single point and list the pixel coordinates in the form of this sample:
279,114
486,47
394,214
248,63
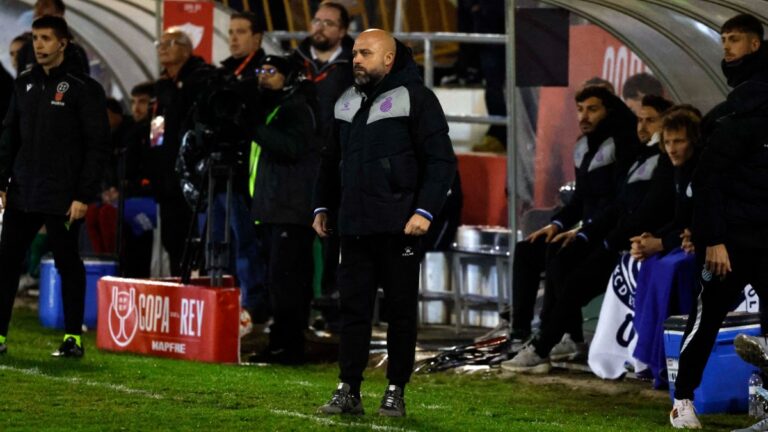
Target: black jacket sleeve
726,147
9,142
656,209
92,111
434,152
328,186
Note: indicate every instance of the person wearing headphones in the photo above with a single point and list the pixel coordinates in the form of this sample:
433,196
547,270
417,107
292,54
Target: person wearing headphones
284,164
54,145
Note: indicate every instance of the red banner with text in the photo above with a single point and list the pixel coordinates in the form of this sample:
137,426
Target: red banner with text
195,18
168,319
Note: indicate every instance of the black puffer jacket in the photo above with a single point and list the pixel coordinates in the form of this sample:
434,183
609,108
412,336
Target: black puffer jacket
56,140
731,181
670,233
285,159
390,154
601,161
644,203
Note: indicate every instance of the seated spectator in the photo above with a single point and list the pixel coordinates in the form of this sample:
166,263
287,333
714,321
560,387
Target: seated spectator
615,337
602,156
140,217
666,281
101,218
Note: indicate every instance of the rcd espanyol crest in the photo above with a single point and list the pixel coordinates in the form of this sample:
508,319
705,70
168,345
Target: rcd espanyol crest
123,316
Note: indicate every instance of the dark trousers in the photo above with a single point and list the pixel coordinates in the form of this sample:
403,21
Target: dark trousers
713,303
288,253
576,274
246,260
331,249
367,262
19,229
530,260
175,217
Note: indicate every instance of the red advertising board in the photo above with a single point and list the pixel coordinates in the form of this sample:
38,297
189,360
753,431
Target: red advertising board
168,319
195,18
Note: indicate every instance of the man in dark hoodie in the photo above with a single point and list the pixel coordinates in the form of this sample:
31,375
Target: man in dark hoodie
284,164
602,157
388,172
181,82
54,146
730,190
325,58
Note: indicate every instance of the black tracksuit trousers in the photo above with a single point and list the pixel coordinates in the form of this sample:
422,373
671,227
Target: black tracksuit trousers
576,274
19,229
367,262
530,260
288,252
715,299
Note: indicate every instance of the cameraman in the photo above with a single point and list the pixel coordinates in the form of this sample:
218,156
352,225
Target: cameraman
284,165
239,71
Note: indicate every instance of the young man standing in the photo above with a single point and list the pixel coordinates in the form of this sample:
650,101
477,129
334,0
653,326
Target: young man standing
54,145
730,206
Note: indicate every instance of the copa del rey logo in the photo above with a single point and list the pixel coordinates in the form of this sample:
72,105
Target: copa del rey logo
123,316
154,316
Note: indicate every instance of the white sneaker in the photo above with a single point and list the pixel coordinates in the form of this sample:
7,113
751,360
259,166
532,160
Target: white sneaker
527,361
683,415
761,426
568,350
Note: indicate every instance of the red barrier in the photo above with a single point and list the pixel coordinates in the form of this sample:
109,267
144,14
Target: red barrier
168,319
483,183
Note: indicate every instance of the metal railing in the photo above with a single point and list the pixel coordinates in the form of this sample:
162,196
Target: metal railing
428,39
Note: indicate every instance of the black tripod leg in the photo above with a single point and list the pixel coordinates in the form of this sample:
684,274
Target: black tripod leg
188,257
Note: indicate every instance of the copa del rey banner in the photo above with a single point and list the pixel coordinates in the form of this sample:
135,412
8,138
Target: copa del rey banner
168,319
195,18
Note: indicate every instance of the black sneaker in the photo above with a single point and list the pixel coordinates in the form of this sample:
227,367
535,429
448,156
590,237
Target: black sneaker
69,348
393,403
342,402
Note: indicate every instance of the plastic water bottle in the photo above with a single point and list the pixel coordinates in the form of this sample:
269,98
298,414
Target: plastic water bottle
755,404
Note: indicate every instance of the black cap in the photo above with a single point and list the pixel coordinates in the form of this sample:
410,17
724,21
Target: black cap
282,64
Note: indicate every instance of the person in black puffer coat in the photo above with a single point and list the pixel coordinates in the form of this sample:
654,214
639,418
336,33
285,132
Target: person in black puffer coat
388,171
602,157
730,190
53,150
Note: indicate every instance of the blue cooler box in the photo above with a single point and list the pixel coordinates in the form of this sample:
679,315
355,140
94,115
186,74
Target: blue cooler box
51,307
724,384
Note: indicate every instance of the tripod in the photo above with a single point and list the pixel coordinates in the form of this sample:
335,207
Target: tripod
217,251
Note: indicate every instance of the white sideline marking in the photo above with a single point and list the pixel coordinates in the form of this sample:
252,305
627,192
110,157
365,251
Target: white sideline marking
74,380
328,422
